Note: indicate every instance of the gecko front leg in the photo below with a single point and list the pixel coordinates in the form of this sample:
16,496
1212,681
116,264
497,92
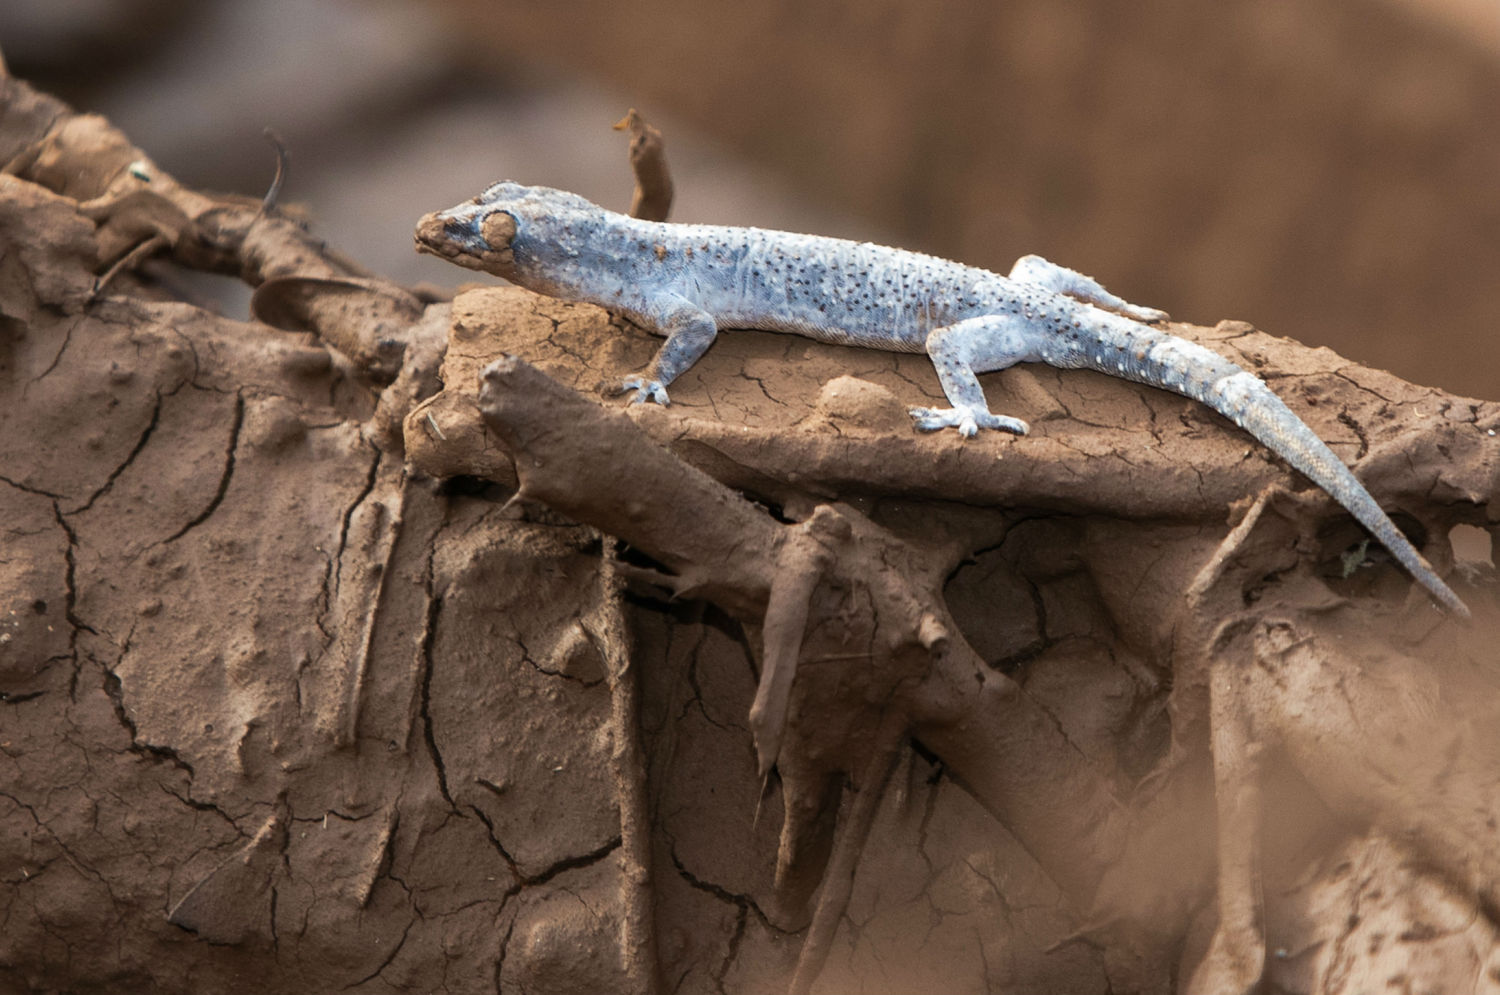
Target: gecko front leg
1061,280
958,351
689,329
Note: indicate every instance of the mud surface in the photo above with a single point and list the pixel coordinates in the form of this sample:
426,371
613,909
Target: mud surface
328,663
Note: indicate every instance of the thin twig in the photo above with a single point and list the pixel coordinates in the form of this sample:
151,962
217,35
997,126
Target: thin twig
268,204
129,261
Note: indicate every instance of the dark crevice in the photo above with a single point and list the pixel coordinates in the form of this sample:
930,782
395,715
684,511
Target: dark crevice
1014,663
114,690
334,570
320,617
57,840
510,861
1362,388
359,499
504,948
1364,443
70,597
547,873
193,803
743,902
388,957
67,339
573,863
29,490
161,754
224,478
140,444
341,816
424,703
698,696
735,939
550,672
275,897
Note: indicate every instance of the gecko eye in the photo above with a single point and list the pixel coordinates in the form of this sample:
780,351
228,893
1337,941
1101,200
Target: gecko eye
498,229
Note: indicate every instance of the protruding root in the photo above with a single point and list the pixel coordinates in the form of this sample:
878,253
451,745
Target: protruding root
804,558
606,628
838,881
1237,953
807,833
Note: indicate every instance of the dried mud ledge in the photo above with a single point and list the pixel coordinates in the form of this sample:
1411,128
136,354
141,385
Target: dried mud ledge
327,664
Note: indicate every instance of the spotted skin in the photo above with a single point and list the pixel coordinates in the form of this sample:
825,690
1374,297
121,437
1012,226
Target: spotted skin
687,281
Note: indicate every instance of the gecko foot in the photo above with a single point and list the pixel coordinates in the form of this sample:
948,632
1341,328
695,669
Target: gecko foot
968,421
646,390
1149,315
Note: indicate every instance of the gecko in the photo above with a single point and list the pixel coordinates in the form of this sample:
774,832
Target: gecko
686,281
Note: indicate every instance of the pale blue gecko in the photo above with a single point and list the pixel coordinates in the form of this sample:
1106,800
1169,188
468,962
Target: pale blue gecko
687,281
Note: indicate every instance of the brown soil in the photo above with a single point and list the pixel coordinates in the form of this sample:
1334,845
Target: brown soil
366,646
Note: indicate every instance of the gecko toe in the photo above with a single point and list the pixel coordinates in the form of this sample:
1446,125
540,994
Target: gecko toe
1003,423
929,419
968,421
646,391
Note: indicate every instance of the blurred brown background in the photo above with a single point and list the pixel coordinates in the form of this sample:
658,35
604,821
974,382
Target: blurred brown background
1327,169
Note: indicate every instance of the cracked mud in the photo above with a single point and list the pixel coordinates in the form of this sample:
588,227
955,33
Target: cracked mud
323,669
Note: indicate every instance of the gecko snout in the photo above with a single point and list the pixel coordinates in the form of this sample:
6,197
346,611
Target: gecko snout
432,236
446,236
471,241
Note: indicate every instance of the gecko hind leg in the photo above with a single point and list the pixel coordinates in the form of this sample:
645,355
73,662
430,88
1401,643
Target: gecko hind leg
959,351
1061,280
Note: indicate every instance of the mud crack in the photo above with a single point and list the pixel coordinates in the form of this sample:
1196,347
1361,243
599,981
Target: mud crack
114,474
224,477
424,703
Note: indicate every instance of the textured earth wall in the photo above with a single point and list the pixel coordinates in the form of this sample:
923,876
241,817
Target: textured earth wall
340,651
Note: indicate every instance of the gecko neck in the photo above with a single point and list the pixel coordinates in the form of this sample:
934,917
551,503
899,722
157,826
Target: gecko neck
570,255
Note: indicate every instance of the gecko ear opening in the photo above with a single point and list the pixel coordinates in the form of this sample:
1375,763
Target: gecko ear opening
498,229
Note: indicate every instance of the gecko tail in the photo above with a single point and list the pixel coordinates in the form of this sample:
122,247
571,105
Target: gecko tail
1132,351
1247,401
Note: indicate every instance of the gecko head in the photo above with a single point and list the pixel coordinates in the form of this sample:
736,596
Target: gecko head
473,234
481,233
